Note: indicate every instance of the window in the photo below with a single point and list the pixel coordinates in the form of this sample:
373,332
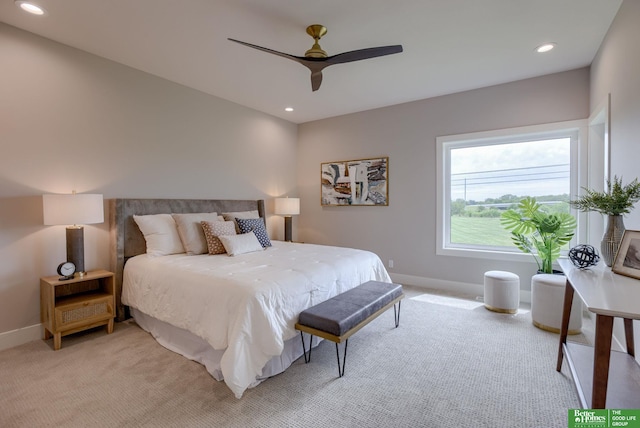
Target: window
483,174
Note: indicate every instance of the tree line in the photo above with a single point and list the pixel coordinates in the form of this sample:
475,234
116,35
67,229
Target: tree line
494,207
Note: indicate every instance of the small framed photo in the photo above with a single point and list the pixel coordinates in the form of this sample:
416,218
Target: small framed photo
627,260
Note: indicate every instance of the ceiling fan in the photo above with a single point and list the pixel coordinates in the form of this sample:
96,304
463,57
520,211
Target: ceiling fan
316,59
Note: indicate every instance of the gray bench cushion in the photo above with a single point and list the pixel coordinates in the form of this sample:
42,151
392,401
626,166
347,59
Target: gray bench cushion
341,313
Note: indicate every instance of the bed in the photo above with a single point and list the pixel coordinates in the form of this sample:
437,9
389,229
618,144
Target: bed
235,315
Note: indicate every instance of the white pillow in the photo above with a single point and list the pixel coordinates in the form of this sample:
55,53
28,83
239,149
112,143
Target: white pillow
191,233
240,244
161,234
240,214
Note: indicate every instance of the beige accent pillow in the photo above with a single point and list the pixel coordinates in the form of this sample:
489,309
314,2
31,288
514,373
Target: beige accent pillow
241,244
240,214
190,231
212,230
160,233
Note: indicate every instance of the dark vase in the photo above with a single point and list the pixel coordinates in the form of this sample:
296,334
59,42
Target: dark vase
611,239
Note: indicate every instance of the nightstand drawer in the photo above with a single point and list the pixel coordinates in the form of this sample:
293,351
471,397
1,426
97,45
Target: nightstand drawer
83,310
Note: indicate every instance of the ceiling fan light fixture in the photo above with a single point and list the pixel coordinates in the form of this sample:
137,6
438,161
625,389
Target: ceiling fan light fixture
545,47
30,7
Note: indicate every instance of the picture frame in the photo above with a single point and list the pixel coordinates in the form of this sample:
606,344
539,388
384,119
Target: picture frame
358,182
627,261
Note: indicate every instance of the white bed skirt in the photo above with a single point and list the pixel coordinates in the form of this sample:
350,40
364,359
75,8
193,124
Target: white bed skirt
197,349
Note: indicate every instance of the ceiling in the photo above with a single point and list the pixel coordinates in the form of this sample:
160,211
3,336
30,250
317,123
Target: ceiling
449,45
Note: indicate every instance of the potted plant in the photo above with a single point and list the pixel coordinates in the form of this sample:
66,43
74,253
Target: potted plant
616,201
537,232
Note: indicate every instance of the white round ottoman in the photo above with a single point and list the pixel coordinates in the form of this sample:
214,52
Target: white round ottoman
547,302
501,291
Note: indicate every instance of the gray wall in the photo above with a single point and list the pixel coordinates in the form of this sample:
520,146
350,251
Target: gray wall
405,231
616,71
73,121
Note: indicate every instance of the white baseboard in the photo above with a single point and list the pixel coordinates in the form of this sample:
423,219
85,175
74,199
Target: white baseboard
12,338
452,286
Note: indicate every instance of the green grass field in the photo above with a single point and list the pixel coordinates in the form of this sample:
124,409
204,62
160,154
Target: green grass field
479,231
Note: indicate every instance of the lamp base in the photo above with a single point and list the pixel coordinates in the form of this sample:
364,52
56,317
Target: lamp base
287,228
75,247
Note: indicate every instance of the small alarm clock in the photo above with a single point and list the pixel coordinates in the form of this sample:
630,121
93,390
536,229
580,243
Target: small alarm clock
66,270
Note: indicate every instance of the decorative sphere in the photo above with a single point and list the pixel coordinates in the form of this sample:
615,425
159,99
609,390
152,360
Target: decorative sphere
584,256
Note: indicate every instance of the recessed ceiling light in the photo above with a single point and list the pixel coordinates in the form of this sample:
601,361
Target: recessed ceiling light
30,7
545,48
288,109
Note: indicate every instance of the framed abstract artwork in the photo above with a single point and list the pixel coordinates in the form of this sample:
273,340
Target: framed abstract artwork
355,182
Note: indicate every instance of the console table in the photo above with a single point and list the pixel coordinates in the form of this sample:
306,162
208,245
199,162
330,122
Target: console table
603,378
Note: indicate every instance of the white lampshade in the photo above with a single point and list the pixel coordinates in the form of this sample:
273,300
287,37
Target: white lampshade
287,206
72,209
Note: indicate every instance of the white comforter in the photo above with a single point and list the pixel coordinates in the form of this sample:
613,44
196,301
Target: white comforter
246,304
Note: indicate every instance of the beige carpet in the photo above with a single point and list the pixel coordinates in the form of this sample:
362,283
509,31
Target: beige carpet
445,366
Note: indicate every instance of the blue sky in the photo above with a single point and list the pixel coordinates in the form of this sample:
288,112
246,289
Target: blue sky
525,169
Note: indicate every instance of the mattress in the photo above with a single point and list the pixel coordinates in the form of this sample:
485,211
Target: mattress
246,305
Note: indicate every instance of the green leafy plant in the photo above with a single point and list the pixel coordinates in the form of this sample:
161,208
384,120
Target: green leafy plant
616,200
537,232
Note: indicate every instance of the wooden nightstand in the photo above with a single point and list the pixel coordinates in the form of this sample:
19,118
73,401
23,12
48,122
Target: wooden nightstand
67,307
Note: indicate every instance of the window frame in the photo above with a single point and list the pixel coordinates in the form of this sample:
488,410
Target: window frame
578,175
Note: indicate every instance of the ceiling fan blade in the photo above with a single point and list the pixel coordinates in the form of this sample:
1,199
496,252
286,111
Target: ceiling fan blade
316,80
271,51
361,54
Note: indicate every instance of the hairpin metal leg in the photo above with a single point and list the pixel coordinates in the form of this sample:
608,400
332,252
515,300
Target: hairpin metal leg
344,358
306,359
396,314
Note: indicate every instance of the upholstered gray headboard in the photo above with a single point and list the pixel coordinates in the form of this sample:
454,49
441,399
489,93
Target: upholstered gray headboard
127,240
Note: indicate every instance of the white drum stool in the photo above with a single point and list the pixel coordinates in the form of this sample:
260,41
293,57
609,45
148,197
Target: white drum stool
501,291
547,302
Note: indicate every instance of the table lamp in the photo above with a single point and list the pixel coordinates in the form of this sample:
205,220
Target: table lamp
287,207
73,210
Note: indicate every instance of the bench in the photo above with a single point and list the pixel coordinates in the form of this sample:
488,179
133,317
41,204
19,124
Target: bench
340,317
